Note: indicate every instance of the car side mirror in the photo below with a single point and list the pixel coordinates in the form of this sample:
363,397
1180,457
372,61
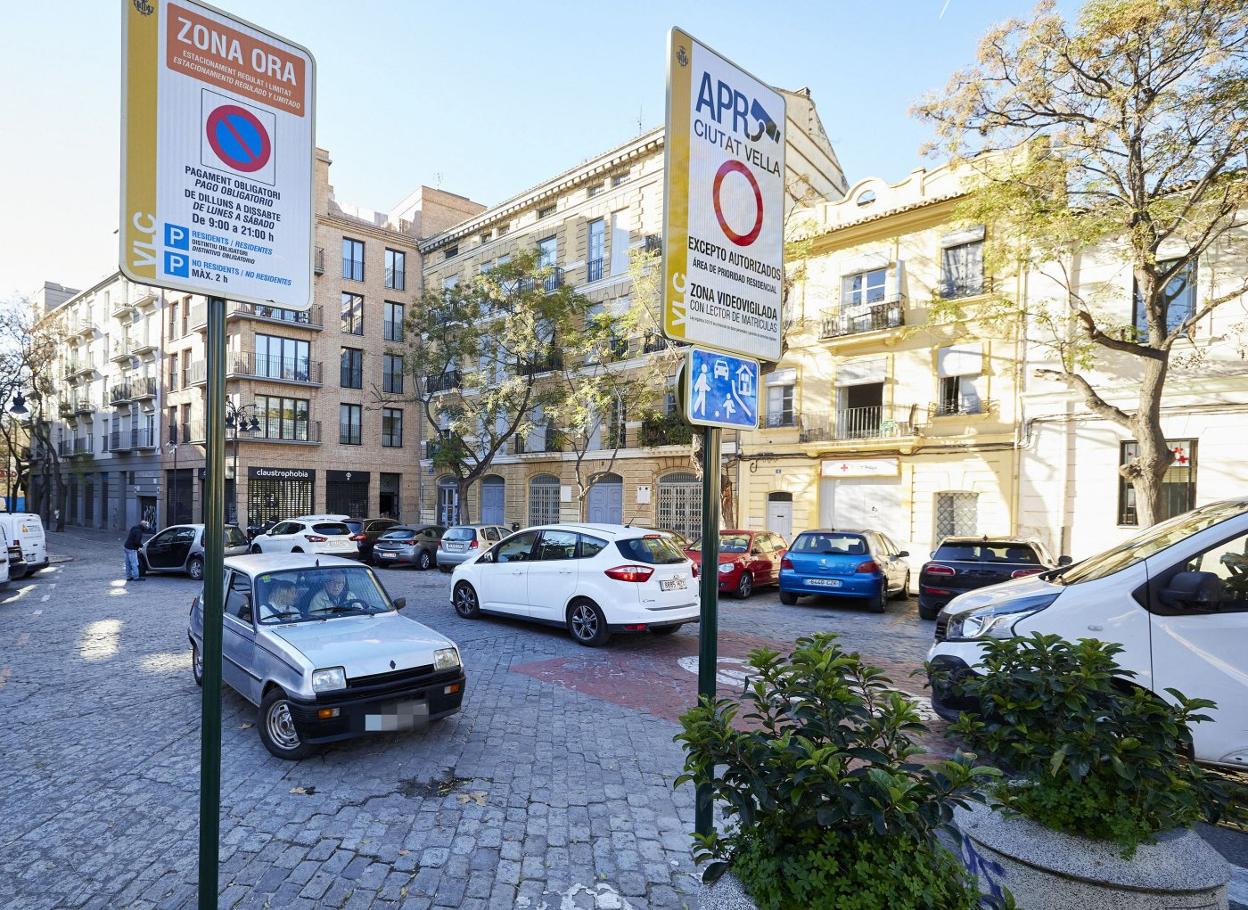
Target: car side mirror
1064,560
1192,589
399,603
902,553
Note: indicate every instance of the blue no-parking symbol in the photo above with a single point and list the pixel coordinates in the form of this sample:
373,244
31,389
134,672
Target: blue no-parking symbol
721,390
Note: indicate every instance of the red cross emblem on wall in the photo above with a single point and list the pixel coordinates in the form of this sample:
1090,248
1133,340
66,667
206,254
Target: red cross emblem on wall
1180,455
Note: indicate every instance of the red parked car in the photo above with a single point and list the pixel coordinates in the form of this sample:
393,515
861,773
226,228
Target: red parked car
747,560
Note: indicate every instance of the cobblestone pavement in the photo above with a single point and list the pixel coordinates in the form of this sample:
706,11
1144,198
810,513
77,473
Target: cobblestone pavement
552,787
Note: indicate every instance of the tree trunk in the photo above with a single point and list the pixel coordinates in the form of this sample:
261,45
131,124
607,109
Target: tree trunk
462,515
727,498
1155,457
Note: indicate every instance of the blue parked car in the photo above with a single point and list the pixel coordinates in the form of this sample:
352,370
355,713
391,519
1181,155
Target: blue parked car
862,564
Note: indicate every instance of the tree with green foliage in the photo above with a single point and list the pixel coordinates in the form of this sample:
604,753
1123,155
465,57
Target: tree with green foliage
1123,133
481,353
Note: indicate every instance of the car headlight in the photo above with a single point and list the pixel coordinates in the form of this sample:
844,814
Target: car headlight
329,680
725,568
445,659
996,621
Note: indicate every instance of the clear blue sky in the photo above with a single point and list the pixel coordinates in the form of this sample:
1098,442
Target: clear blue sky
482,98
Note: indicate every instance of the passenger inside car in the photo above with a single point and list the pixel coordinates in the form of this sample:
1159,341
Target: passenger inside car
279,601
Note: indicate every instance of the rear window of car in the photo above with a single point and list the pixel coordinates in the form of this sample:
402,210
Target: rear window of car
355,526
460,534
331,527
399,534
234,537
655,550
831,544
988,551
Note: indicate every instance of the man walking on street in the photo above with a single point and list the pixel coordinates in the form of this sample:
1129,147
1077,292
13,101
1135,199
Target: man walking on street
134,540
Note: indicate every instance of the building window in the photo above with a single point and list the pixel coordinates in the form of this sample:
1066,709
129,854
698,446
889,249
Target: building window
592,191
282,418
780,385
349,424
352,313
959,368
173,319
618,179
351,372
352,259
548,252
1178,484
680,504
597,248
962,270
392,373
396,269
1180,300
283,358
450,252
502,229
863,288
392,326
956,514
543,499
173,372
392,428
546,211
484,237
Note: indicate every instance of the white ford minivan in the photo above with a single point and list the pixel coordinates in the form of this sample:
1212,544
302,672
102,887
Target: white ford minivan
1175,597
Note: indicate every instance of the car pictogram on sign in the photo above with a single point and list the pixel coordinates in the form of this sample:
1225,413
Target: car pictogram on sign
238,138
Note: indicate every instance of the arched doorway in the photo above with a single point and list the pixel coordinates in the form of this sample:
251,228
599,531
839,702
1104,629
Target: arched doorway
780,514
493,499
680,504
448,501
543,499
605,502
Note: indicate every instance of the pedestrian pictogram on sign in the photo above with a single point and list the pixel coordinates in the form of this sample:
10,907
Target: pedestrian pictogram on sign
722,391
239,138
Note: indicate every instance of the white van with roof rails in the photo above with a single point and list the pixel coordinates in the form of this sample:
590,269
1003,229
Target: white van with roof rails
25,542
1175,596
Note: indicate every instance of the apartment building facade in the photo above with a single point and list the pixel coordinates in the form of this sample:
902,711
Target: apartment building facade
304,432
881,415
585,224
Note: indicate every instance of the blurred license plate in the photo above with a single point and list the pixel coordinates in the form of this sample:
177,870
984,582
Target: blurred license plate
454,546
824,582
401,716
384,555
672,584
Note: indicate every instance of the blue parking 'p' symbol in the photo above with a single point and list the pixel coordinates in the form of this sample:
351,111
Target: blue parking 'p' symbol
177,236
177,264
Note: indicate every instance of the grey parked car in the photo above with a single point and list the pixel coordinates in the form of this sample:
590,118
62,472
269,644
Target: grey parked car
464,541
180,548
409,545
318,645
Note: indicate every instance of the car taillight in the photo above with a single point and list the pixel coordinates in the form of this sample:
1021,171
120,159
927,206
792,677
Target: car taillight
314,538
937,569
1019,573
867,567
630,573
473,545
359,537
696,571
786,563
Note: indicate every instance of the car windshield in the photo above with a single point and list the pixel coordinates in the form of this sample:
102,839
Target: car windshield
728,543
460,534
653,550
303,595
1149,542
987,551
830,544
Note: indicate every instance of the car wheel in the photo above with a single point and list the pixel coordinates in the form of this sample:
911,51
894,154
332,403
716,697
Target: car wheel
424,562
466,603
926,612
255,548
277,727
904,593
587,625
788,598
197,664
879,603
665,630
745,587
195,568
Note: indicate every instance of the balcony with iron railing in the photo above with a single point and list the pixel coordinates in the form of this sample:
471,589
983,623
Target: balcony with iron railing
84,445
971,286
142,387
443,382
593,270
652,243
553,360
875,317
121,349
780,420
318,261
64,447
145,438
142,344
550,283
119,394
142,296
249,365
311,318
851,424
82,326
295,432
83,406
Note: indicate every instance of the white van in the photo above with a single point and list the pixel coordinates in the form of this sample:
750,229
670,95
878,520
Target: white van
4,567
1175,597
25,541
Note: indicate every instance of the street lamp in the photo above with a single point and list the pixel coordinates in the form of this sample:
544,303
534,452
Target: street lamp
17,409
236,419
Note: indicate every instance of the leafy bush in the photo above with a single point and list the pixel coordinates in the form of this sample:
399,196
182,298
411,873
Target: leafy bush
825,808
1100,758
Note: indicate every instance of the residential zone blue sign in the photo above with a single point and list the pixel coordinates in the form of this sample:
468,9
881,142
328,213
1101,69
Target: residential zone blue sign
721,390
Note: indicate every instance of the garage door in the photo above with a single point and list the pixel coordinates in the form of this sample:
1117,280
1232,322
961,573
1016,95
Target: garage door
862,502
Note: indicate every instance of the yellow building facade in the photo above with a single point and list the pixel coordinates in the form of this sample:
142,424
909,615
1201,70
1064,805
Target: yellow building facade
883,413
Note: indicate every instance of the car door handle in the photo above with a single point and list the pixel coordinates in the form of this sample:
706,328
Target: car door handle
566,572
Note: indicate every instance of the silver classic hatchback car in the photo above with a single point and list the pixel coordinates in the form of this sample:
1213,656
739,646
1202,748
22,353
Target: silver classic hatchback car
318,645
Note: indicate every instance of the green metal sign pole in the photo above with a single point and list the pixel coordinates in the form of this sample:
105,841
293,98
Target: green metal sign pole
214,595
708,625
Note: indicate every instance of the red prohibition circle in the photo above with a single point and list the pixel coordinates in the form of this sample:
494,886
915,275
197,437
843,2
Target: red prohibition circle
239,138
725,169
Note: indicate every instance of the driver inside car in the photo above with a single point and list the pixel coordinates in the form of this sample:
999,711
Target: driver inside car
281,601
333,594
